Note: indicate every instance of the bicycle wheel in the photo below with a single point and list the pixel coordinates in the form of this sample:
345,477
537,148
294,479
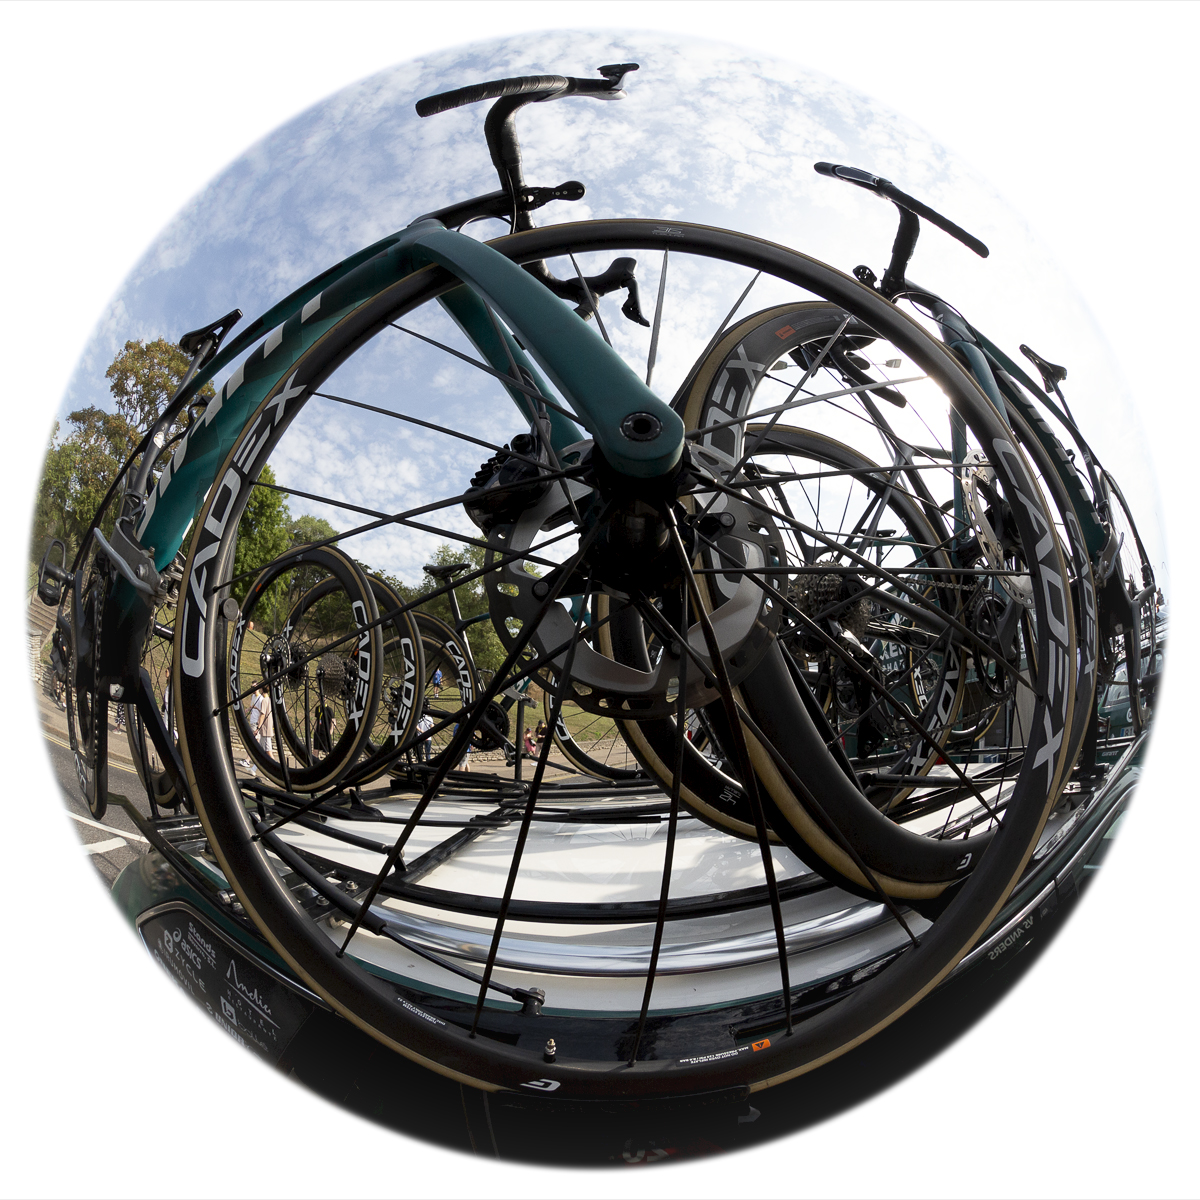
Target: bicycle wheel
987,684
156,662
402,669
591,743
841,547
1050,469
851,652
1132,632
87,705
663,956
303,674
451,685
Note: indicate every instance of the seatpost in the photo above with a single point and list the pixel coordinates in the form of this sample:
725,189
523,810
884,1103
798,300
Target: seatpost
455,609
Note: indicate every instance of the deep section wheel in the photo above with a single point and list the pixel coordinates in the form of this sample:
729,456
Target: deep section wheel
304,671
664,956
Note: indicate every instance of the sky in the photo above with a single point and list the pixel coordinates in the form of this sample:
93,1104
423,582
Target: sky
1076,114
709,133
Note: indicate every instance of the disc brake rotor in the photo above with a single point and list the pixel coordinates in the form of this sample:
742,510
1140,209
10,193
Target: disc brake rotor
978,480
731,538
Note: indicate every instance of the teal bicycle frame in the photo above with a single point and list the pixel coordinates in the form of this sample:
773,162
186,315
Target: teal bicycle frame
601,389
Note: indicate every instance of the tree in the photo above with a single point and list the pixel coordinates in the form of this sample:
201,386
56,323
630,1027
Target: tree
262,532
144,376
81,467
486,647
306,529
78,473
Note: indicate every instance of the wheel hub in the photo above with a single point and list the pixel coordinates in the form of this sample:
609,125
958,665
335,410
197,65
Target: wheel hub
633,562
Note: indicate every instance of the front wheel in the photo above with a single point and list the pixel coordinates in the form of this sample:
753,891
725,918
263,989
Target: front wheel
665,957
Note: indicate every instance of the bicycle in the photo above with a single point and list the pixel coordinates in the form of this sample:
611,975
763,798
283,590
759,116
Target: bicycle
664,601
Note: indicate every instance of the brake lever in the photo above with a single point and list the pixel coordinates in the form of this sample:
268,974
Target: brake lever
620,274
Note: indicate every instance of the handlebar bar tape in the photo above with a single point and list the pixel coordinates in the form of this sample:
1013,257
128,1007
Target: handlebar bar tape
493,90
529,85
889,191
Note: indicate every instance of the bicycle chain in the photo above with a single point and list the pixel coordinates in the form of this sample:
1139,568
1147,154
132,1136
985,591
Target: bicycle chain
87,755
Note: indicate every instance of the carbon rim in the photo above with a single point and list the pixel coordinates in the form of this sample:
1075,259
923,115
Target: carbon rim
373,1003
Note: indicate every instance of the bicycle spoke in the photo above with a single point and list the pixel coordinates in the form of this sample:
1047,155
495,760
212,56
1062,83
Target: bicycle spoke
523,832
507,380
808,374
547,444
453,433
672,827
652,355
797,786
853,664
743,755
887,576
697,434
394,520
371,526
593,303
507,681
467,727
393,613
716,337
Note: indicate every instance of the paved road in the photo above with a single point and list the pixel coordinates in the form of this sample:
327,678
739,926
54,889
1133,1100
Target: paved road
111,844
114,843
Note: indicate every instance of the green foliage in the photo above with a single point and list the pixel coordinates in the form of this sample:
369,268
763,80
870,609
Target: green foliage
78,473
81,467
144,376
487,648
262,534
306,529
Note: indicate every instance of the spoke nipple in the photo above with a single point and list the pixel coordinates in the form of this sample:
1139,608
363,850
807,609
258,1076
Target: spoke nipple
551,1050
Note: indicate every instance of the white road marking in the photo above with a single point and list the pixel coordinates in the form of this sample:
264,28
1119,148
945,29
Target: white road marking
137,837
105,846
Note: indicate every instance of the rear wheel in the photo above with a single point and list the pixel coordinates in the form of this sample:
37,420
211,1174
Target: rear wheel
87,705
156,663
451,687
591,743
304,664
